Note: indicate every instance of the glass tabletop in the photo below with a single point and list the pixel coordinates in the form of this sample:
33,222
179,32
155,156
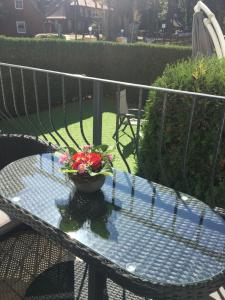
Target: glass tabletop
145,228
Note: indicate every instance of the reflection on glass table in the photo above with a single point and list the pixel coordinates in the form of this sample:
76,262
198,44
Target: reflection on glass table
86,212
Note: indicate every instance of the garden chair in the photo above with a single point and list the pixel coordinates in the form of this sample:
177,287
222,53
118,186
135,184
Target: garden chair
127,117
13,147
23,252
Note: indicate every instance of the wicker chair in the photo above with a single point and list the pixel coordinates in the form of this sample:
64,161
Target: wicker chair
13,147
24,254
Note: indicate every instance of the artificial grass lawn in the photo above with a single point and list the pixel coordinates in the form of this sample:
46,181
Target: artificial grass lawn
23,125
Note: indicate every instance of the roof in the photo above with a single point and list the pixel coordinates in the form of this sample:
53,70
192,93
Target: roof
89,3
58,13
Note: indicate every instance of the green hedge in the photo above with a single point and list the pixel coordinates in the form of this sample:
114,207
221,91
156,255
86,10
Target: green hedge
207,76
136,63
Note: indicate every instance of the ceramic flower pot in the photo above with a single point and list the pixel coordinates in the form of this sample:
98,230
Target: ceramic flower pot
87,184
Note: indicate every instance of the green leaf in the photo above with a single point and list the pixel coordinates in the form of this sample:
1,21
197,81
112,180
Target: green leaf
68,171
107,171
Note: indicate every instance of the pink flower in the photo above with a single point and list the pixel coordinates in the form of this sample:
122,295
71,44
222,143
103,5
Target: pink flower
110,157
87,147
63,158
82,168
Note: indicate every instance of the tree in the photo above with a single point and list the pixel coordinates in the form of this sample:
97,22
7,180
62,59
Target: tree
150,14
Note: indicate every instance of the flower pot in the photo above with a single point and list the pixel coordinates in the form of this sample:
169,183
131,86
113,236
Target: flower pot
87,184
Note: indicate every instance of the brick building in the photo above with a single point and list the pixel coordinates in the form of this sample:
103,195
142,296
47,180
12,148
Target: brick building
20,18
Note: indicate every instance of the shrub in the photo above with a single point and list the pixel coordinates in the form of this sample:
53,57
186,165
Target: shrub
98,59
207,76
128,62
138,63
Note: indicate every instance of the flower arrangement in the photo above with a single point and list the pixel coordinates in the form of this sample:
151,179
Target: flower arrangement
90,161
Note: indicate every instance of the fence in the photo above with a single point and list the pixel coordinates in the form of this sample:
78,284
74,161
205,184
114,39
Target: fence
26,92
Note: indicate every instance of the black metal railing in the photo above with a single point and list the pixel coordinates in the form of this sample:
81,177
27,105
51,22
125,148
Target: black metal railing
26,93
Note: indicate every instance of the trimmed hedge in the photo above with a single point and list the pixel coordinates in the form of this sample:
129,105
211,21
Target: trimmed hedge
207,76
133,63
138,63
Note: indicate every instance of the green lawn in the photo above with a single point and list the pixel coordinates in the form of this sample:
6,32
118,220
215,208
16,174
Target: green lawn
22,125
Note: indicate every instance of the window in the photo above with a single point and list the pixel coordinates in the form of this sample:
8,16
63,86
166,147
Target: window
21,27
18,4
81,11
86,13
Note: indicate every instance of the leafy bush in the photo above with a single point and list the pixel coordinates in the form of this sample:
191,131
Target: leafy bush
195,174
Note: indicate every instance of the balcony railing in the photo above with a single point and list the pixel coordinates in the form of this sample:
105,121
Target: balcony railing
27,93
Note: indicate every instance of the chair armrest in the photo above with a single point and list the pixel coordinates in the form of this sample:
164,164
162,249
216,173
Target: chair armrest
6,224
135,111
128,115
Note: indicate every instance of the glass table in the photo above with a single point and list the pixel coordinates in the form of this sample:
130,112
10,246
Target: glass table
144,236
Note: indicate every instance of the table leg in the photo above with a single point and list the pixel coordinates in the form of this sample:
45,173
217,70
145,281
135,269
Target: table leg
97,289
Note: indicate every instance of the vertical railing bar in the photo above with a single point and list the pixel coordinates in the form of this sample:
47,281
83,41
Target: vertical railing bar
131,202
117,131
161,135
64,112
117,117
218,147
81,111
25,103
3,95
151,212
97,112
200,227
139,121
14,99
49,111
37,104
175,210
52,164
188,139
5,117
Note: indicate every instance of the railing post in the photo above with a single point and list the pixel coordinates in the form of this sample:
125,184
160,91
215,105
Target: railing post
97,113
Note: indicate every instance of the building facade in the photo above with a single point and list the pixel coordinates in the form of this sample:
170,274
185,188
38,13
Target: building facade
76,16
20,18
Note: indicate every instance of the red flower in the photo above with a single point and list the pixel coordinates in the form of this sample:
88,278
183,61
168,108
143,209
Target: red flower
78,155
75,165
92,159
95,160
